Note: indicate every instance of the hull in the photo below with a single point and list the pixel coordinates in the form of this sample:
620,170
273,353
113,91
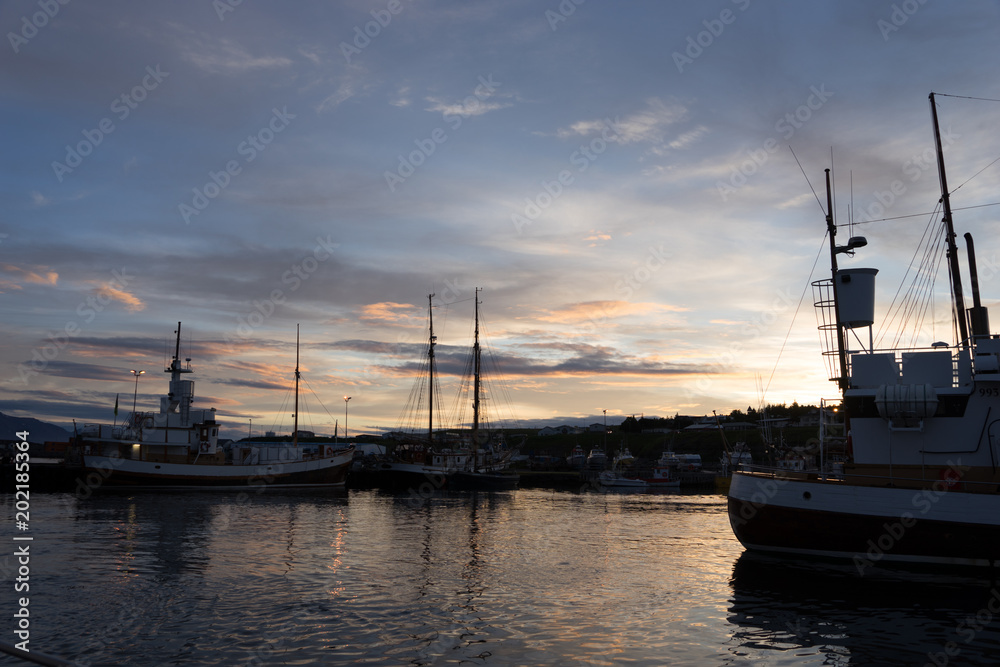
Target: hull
120,473
864,524
401,476
482,481
417,476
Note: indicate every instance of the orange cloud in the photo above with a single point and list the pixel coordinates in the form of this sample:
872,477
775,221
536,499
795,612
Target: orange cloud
39,275
131,302
388,312
598,311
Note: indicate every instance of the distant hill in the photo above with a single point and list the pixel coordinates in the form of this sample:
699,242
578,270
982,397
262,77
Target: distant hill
38,431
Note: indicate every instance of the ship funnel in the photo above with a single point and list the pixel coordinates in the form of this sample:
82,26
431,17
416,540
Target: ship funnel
979,316
856,297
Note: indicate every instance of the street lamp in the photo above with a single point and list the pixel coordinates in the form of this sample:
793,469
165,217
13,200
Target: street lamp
605,430
346,399
135,393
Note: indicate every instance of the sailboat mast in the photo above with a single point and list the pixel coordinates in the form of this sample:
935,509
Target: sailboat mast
476,385
430,375
295,428
956,279
831,229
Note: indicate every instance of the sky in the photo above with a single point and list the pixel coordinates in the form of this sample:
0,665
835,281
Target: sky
622,180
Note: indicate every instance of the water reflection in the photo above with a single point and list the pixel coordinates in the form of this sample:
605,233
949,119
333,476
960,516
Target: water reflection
784,608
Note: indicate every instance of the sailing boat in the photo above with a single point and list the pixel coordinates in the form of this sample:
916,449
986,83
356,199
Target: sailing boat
488,470
419,462
920,481
178,448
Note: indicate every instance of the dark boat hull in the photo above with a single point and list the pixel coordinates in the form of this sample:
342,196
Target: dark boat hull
482,481
864,524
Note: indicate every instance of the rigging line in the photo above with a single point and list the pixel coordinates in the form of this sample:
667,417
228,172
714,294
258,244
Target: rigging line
807,180
976,174
967,97
918,215
794,315
895,308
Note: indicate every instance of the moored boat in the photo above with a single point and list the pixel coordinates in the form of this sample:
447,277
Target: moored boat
178,448
919,480
480,461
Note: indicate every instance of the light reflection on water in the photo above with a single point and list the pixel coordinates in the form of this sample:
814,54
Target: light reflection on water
527,577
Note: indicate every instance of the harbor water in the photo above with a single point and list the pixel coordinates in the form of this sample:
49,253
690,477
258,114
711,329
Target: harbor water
526,577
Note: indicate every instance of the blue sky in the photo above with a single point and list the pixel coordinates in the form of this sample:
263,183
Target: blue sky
615,176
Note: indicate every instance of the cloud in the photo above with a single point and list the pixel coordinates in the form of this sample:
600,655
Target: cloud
39,275
470,106
72,369
647,126
392,314
599,311
108,291
225,56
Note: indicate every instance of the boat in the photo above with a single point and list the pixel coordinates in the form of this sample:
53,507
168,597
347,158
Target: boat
477,462
664,476
597,459
614,479
918,480
732,459
577,458
178,448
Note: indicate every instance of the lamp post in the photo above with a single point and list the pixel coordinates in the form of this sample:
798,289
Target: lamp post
136,392
605,430
346,399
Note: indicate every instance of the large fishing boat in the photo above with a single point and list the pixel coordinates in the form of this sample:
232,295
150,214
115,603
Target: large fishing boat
178,448
473,461
920,477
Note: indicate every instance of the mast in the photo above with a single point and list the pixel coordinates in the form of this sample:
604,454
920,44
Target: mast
831,229
476,385
430,364
956,278
295,427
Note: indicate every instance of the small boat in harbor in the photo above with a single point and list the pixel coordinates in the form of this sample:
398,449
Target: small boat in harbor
622,474
664,476
577,458
616,480
919,480
177,448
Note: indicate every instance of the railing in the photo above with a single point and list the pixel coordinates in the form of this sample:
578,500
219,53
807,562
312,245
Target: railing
773,472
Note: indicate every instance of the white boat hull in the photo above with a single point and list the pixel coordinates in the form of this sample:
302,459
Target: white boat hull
123,473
